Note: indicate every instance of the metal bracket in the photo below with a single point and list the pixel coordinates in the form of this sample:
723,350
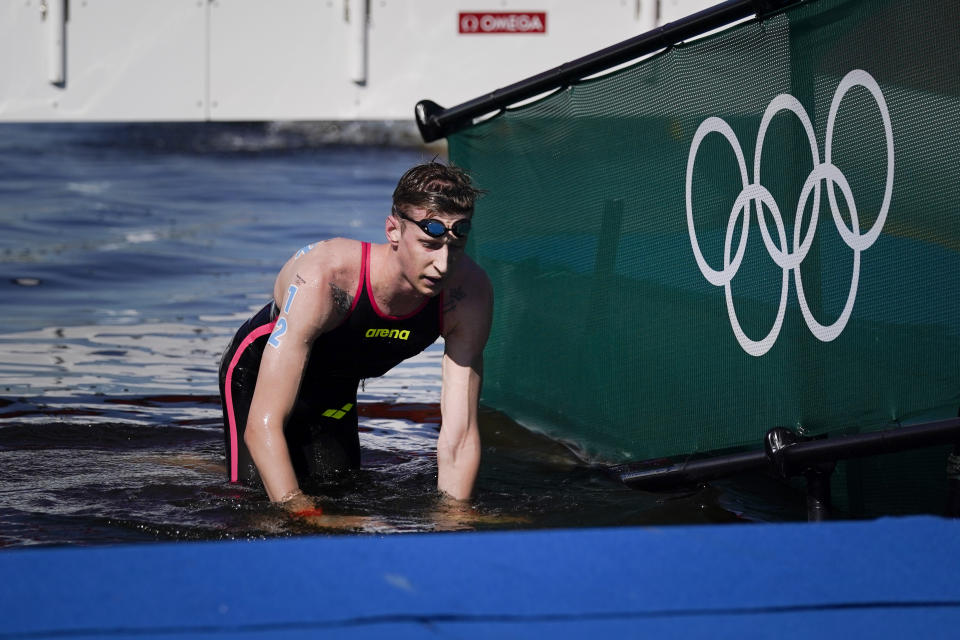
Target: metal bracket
776,444
425,113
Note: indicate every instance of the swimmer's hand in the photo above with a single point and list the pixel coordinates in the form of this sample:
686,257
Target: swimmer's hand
306,509
296,501
460,515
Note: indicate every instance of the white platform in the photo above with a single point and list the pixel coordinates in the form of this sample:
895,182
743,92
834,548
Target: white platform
228,60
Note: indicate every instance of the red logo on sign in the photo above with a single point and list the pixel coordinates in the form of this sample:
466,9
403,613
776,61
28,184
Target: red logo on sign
512,22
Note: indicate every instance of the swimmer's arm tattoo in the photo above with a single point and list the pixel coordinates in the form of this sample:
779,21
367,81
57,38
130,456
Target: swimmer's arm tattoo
300,280
342,301
452,297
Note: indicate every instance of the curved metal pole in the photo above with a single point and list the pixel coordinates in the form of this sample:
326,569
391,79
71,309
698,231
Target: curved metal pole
436,122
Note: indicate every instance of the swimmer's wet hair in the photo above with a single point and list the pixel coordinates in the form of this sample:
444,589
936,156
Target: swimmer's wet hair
436,187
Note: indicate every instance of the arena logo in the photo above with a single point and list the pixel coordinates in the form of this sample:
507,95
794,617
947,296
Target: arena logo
388,333
755,197
511,22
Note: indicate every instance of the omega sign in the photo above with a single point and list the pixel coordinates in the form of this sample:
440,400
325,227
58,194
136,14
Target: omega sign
512,22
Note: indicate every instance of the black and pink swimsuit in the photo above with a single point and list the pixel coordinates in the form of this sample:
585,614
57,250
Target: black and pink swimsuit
321,431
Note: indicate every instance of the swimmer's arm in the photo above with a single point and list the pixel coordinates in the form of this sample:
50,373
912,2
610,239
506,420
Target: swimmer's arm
458,447
303,317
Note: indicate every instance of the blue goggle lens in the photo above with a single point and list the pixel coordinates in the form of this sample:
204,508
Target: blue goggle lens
436,229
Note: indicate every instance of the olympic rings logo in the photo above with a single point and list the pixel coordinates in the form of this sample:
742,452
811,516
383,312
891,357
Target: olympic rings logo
789,260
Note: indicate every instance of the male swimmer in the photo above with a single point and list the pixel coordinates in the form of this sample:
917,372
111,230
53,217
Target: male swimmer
344,310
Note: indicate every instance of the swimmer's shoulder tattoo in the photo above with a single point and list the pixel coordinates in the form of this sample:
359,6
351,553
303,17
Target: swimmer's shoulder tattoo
342,301
452,297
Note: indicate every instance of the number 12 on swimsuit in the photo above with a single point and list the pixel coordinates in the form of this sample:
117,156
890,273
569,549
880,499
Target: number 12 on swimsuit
280,327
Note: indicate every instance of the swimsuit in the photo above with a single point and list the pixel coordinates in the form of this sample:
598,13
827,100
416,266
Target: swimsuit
321,431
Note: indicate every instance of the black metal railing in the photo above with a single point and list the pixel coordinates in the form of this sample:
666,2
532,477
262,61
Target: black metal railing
785,454
436,122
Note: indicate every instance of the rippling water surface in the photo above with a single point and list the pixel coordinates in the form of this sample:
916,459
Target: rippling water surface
129,254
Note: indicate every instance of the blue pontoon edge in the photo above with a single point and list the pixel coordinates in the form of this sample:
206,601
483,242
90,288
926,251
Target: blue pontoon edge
886,578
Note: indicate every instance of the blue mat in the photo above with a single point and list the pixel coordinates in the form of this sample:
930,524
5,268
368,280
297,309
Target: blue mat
888,578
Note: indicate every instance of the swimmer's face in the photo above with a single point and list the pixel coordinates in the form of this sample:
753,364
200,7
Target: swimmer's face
428,262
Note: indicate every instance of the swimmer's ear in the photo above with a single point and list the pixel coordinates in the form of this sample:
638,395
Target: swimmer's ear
392,230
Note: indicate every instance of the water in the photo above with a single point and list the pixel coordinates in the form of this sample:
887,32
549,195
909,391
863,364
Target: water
129,254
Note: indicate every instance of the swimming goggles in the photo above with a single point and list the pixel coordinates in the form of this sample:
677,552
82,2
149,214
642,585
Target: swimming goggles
436,229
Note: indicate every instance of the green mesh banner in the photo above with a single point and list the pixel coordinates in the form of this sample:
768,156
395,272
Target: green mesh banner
647,308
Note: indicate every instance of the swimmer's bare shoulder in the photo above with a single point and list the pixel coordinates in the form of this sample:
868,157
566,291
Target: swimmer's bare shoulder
468,296
469,275
325,276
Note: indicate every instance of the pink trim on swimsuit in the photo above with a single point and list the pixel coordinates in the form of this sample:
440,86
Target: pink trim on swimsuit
228,388
373,301
365,248
364,260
